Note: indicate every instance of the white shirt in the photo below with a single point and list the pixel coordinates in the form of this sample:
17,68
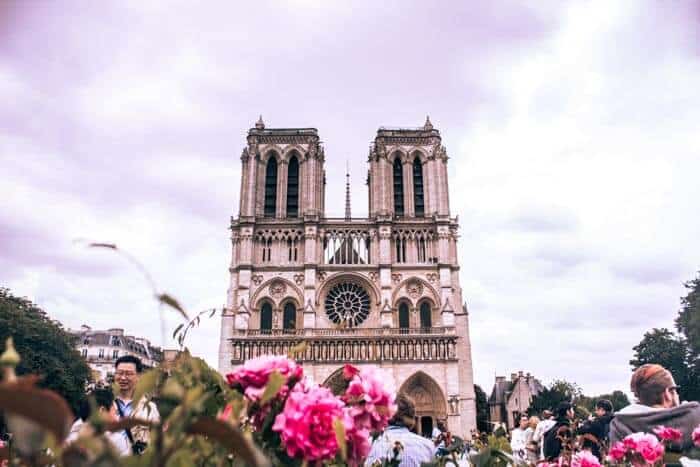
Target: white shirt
518,441
542,428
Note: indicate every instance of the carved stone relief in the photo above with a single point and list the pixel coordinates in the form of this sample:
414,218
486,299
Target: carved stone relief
278,289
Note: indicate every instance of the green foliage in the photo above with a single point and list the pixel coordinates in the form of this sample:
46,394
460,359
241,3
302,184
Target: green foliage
557,392
670,351
45,347
482,409
618,398
688,320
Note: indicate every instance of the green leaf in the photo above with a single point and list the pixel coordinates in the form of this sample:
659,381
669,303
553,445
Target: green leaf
177,329
339,430
231,438
274,384
147,383
171,302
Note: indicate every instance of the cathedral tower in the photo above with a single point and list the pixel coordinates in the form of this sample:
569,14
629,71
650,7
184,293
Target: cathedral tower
382,290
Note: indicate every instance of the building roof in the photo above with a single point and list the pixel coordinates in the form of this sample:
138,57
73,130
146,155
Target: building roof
115,338
503,388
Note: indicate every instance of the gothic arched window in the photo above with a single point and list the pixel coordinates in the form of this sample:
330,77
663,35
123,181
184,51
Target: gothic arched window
418,199
289,316
271,187
293,188
398,187
426,320
266,318
404,321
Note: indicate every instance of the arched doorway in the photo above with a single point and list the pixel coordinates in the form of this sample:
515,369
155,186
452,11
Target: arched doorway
429,399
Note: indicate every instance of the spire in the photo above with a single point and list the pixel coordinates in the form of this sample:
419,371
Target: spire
260,125
347,191
428,125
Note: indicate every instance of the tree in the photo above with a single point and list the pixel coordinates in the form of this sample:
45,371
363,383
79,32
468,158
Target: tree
618,398
670,351
688,320
45,347
550,397
482,409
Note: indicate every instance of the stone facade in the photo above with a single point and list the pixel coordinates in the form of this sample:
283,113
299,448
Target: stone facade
510,399
381,290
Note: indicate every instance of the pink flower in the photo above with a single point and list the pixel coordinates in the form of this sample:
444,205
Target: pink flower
696,436
668,434
357,439
306,423
617,452
371,398
253,375
645,444
585,459
226,413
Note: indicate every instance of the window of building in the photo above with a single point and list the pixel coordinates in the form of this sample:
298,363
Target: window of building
398,187
422,250
400,249
271,187
426,320
115,354
293,188
266,318
289,316
101,353
83,353
266,250
418,199
292,249
404,321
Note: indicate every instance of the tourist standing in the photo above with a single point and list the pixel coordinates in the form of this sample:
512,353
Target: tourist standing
596,432
104,402
127,371
414,448
542,428
657,404
532,450
518,440
560,430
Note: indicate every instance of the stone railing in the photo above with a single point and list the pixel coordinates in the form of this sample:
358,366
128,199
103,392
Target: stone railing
349,345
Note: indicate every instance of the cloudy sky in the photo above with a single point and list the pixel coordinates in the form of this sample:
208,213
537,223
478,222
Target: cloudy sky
572,130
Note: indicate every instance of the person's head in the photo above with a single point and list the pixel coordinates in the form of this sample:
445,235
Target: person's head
405,412
565,410
547,414
441,425
127,369
533,421
653,385
103,400
603,407
522,422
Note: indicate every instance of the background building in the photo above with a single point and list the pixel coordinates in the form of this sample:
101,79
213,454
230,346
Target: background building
102,348
510,399
380,290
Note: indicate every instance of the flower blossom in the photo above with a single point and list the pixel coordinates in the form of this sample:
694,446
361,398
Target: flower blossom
696,436
254,374
666,433
617,452
371,399
357,439
585,459
645,444
306,423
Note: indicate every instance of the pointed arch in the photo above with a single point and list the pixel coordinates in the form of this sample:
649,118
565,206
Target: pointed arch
293,186
289,316
404,316
426,315
336,382
270,205
418,196
431,404
266,317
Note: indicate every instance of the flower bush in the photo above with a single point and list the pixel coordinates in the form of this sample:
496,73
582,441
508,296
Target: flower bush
298,421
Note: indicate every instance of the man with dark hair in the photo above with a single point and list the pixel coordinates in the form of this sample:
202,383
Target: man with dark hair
595,433
545,424
103,400
414,448
657,404
127,371
557,436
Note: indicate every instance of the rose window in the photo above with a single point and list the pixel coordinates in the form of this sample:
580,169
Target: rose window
347,304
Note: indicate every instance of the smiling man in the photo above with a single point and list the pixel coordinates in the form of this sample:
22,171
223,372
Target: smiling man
127,372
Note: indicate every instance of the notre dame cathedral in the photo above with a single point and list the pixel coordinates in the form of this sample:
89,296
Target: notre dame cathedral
382,290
